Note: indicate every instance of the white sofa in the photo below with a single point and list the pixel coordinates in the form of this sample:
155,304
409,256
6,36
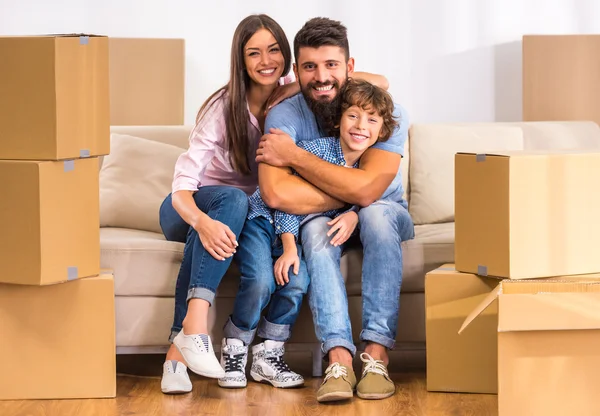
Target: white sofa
137,175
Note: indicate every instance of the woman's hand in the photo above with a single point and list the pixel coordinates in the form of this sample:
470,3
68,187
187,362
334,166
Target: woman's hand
281,93
217,238
345,225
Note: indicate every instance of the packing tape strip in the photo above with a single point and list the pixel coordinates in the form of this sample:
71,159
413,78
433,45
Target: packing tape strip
69,165
84,153
482,270
84,40
480,158
72,273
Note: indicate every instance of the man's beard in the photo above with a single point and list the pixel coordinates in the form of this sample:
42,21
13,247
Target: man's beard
326,112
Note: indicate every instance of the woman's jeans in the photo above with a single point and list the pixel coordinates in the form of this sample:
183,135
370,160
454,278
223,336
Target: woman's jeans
259,248
200,273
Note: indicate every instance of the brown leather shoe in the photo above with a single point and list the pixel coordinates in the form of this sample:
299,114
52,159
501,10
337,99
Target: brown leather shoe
375,382
339,384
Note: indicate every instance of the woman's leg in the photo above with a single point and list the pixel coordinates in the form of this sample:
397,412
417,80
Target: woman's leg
200,273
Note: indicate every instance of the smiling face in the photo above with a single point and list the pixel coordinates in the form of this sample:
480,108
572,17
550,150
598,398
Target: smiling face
322,71
359,129
263,58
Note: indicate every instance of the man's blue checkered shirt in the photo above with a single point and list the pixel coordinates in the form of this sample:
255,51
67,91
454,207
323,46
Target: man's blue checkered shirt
326,148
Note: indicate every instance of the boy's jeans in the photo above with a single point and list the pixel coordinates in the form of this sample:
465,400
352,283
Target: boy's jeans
258,250
383,226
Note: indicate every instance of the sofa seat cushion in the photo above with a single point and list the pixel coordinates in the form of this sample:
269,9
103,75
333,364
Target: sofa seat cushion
145,264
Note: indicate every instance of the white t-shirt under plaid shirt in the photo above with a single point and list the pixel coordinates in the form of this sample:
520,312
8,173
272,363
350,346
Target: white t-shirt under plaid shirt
326,148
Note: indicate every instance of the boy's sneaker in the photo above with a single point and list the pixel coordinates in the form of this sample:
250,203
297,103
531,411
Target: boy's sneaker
234,356
338,384
198,353
268,365
375,382
175,378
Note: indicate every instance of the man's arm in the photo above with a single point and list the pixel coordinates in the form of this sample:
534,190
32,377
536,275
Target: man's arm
361,186
279,187
284,191
375,79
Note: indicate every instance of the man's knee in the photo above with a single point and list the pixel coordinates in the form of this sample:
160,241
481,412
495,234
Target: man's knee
385,218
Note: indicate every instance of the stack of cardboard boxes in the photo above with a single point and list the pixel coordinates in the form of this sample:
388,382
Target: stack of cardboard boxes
518,314
57,317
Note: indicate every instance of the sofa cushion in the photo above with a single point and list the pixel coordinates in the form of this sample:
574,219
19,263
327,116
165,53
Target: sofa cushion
432,148
134,180
145,264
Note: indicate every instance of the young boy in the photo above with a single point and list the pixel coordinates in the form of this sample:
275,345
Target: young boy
365,118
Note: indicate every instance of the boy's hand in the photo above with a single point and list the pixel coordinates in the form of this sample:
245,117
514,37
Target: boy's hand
282,266
344,224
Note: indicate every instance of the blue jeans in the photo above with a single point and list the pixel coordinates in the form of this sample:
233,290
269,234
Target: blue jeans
200,273
256,254
383,226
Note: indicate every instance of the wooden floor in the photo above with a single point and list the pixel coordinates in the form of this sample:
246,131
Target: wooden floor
138,393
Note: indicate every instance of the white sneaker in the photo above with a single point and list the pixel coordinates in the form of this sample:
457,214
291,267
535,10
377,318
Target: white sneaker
198,353
234,356
175,378
268,365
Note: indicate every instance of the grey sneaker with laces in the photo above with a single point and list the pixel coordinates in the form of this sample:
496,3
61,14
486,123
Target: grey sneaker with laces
234,356
268,366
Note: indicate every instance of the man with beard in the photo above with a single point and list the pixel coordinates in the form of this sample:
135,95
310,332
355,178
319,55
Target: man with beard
323,64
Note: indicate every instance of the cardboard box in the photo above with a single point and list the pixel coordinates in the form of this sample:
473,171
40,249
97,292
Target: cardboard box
560,77
524,215
49,217
548,345
58,341
467,362
54,97
147,81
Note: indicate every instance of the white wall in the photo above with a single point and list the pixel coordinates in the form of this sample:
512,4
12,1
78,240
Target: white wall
447,60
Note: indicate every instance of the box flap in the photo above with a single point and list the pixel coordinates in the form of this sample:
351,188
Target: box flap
532,152
549,311
482,306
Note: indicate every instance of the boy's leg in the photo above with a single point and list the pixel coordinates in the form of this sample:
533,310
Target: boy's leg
268,363
257,283
257,280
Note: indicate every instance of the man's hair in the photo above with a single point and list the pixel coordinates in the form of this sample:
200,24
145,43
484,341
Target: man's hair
322,31
370,98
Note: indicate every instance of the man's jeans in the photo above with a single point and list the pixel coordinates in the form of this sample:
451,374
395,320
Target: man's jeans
258,250
383,226
200,273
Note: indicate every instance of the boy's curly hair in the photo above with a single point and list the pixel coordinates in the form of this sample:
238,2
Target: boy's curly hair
369,97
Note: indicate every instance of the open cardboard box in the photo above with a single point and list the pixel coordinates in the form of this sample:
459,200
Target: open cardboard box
548,345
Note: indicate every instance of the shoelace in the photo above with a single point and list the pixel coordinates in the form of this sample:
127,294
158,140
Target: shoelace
233,362
335,370
372,365
279,364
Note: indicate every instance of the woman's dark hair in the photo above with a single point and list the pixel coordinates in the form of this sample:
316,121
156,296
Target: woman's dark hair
236,107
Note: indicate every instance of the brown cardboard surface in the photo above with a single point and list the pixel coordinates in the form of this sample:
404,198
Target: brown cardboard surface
524,215
54,103
147,81
467,362
58,340
550,373
560,77
49,217
548,345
